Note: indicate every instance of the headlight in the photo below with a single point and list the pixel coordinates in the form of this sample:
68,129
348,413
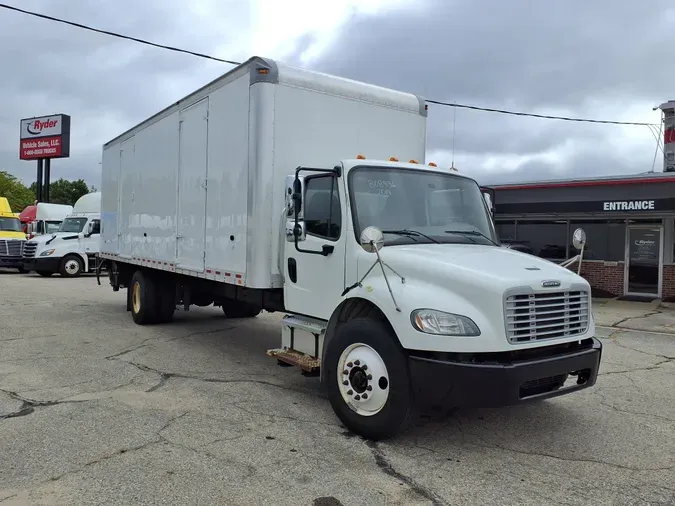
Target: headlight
430,321
47,252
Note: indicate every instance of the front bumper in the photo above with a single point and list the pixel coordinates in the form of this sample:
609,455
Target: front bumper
11,261
46,264
501,379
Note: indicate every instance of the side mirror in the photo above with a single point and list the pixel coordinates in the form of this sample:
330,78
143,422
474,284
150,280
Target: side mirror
579,238
295,227
489,197
372,239
90,229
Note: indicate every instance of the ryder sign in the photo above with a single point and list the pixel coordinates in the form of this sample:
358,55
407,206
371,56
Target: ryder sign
45,137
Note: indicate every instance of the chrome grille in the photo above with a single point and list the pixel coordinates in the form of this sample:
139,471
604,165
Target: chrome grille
29,249
11,247
546,315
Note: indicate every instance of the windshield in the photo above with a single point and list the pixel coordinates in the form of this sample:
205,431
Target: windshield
51,227
10,225
73,225
420,206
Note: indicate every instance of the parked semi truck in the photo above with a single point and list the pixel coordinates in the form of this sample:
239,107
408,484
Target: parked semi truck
280,189
12,237
73,249
43,218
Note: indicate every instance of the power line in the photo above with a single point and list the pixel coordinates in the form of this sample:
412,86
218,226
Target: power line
232,62
532,115
118,35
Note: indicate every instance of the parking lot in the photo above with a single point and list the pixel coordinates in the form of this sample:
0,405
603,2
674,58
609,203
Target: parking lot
97,410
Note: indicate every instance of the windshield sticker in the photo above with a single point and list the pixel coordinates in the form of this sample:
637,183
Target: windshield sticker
381,186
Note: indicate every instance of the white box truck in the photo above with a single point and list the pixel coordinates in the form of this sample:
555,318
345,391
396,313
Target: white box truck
274,188
73,249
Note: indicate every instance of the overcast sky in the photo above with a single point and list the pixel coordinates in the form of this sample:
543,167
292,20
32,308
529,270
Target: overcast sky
604,59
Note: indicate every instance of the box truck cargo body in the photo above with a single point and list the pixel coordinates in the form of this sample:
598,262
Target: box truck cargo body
281,189
201,185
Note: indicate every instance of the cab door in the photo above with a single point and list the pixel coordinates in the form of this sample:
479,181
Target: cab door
314,264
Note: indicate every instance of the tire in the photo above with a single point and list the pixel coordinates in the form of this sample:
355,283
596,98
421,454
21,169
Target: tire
239,309
44,274
21,270
390,404
71,266
166,301
143,298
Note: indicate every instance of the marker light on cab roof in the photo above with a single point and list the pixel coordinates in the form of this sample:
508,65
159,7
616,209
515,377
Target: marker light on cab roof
360,157
432,164
393,159
413,161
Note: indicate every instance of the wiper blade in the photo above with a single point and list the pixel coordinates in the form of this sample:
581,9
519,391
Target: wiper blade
410,233
470,232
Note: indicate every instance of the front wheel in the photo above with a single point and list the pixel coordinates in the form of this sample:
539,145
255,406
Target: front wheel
21,270
368,381
71,266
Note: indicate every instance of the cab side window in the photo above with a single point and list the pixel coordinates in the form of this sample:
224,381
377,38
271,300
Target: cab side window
323,216
97,227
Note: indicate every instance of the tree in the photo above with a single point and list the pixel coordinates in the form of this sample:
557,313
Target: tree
66,192
16,192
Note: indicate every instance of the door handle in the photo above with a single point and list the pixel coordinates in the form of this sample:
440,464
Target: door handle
327,249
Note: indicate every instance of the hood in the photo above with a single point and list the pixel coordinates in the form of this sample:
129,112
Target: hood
43,239
474,264
4,234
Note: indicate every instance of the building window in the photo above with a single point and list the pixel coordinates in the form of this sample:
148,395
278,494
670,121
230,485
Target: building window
547,239
506,230
605,239
323,217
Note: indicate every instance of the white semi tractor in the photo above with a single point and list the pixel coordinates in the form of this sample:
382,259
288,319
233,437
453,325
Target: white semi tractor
71,250
281,189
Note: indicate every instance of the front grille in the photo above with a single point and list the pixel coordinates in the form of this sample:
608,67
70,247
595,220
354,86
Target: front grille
29,249
11,247
547,315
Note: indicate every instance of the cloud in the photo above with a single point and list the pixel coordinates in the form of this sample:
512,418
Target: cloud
602,59
107,84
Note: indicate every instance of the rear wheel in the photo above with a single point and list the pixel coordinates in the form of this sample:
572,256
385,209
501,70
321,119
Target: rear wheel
368,381
239,309
21,270
143,298
166,302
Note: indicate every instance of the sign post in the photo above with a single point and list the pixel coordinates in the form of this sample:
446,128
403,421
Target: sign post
43,138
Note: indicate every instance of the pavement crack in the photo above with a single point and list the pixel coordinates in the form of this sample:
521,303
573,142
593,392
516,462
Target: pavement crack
28,405
573,460
387,468
627,318
25,409
166,376
652,367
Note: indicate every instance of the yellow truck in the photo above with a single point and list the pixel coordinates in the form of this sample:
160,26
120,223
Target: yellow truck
12,237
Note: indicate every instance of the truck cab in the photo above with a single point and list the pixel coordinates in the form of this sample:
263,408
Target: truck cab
433,308
12,237
72,249
44,218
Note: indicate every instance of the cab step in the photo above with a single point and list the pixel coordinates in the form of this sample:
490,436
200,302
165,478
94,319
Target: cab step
308,364
301,343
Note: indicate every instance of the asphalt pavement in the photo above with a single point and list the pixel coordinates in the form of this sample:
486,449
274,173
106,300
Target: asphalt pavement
97,410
